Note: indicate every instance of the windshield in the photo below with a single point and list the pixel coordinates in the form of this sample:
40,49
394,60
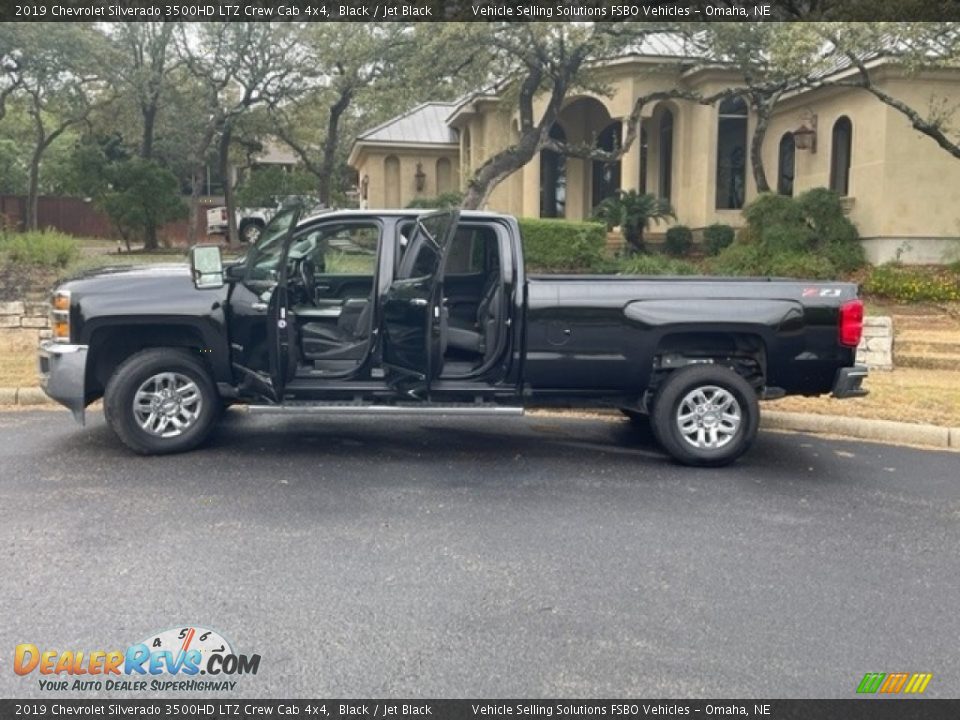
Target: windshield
263,260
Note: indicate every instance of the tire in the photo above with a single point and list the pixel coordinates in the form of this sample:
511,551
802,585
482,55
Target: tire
178,402
708,438
250,232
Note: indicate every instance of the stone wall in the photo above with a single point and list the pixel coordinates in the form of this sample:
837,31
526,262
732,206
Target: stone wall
876,347
23,324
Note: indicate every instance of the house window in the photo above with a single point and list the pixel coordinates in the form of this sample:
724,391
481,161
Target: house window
665,167
787,156
444,176
841,147
553,178
606,176
391,181
731,154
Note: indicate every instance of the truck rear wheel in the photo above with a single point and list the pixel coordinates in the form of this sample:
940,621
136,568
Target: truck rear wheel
161,401
706,415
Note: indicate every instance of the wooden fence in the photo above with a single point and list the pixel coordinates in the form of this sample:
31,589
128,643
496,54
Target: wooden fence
76,216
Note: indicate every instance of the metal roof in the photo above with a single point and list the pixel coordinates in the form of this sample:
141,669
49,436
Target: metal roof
425,124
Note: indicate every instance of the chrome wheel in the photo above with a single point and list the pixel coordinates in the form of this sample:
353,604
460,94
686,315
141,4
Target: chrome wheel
708,417
250,233
167,404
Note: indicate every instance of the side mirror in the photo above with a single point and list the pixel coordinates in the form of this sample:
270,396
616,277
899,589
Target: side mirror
206,266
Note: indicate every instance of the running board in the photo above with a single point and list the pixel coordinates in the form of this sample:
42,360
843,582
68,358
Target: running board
350,409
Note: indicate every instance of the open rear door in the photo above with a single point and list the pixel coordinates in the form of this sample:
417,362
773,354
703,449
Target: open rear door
280,330
412,308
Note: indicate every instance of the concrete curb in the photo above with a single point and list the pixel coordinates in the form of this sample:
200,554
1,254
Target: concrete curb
888,431
24,396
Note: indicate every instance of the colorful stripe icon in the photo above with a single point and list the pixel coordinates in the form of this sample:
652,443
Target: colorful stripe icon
893,683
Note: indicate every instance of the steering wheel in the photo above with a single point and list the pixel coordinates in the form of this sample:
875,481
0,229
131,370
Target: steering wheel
308,278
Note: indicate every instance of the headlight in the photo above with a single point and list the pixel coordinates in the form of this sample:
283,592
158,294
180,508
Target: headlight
60,315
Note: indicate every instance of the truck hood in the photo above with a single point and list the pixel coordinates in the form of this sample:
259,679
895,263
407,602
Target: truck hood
139,294
124,273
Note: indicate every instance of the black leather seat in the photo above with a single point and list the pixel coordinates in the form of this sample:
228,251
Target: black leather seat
346,340
481,336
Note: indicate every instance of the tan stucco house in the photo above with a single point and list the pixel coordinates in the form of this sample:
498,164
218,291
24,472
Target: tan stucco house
901,189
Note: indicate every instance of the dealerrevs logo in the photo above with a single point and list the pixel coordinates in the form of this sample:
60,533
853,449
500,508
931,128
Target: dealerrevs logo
170,660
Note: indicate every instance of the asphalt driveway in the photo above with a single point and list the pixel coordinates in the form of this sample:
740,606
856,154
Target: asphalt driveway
514,558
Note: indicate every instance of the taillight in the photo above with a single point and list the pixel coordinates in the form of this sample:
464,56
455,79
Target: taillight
851,323
223,215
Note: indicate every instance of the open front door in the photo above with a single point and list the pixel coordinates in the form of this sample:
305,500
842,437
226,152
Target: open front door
412,309
257,343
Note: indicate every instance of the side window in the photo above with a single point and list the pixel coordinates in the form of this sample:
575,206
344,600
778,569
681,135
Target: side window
420,260
349,249
468,251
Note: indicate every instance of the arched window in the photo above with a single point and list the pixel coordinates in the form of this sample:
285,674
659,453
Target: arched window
444,176
665,165
731,154
553,178
786,164
391,181
644,149
606,176
840,152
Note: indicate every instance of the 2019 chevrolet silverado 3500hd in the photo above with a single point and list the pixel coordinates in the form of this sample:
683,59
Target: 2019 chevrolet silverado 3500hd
390,312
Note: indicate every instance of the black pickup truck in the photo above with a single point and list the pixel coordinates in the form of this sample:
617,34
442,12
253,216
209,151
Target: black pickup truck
396,312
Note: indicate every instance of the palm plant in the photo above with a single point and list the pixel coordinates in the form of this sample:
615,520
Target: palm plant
632,212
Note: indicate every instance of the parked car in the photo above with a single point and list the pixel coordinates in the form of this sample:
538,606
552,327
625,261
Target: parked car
251,221
403,312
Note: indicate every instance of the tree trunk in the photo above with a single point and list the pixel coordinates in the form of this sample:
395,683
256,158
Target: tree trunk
764,109
149,130
328,180
196,185
33,188
634,238
496,169
149,112
223,157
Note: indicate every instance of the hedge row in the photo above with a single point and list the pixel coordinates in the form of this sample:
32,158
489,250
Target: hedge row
562,246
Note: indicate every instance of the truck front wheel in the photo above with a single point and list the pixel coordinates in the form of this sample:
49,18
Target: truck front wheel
161,401
706,415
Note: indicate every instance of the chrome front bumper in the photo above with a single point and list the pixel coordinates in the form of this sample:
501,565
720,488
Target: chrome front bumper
63,369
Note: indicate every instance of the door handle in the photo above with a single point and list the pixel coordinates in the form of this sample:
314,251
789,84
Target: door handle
259,306
419,302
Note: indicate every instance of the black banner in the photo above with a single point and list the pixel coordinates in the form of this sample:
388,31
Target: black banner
853,709
476,10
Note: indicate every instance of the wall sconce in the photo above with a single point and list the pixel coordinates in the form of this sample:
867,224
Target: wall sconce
804,137
420,178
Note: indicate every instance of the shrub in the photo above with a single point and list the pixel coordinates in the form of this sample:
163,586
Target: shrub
913,284
717,237
142,194
655,265
807,236
679,240
632,212
48,249
561,245
441,201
